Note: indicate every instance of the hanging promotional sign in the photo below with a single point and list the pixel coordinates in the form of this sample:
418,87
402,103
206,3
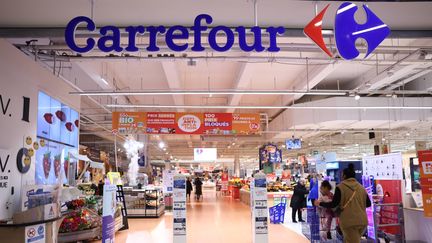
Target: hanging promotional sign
108,211
185,123
425,161
346,32
384,167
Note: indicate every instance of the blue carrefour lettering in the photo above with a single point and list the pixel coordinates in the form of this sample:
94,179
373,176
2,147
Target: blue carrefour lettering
113,40
109,39
171,35
70,34
347,30
229,38
197,28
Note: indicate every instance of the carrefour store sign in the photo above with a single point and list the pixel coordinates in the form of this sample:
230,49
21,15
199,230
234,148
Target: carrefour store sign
346,32
110,36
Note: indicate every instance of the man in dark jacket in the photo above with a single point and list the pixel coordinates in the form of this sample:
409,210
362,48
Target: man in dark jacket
298,200
188,187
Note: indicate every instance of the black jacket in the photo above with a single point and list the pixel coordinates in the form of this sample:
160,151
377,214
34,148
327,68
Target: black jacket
188,186
198,187
298,199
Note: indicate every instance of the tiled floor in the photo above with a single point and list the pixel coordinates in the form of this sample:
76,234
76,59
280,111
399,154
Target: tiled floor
213,220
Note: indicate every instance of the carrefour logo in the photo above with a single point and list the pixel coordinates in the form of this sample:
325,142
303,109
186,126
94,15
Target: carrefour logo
347,31
108,38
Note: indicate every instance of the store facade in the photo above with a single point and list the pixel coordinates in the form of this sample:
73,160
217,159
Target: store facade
115,125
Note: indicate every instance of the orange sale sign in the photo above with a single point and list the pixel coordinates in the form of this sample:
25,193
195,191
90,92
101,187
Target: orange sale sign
425,161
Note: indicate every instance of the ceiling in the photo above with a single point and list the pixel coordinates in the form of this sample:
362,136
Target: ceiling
400,64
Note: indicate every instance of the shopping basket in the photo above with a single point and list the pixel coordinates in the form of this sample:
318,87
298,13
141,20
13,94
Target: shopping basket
277,212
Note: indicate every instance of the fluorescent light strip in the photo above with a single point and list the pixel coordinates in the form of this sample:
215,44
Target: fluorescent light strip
277,107
206,92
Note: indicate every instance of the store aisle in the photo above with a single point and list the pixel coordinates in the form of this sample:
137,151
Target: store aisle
214,220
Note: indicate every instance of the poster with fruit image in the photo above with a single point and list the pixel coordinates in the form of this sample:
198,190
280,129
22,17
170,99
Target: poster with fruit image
47,164
57,165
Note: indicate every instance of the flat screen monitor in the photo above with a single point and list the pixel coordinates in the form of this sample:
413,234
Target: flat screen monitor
293,144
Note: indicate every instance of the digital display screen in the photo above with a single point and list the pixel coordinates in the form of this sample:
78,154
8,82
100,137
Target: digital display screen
293,144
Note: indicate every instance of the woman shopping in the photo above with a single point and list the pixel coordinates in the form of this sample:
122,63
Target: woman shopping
350,201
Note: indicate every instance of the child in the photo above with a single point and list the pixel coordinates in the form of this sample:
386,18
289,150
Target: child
326,214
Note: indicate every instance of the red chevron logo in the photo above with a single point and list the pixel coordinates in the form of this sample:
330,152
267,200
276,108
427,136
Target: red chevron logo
313,30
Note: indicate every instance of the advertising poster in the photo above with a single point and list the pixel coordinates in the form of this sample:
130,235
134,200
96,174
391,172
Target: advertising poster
6,162
50,168
160,122
246,124
217,123
370,212
389,191
108,210
35,234
179,208
189,123
385,167
425,161
224,182
128,122
168,181
260,210
185,123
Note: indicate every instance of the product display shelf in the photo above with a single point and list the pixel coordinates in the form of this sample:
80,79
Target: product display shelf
144,203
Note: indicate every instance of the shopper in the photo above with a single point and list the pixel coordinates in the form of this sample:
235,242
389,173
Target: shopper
326,214
350,201
198,188
188,187
298,200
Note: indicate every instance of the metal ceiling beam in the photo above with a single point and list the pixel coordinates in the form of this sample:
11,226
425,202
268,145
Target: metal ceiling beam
173,81
58,32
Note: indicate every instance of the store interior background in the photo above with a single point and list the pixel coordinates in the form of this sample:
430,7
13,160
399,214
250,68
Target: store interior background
34,57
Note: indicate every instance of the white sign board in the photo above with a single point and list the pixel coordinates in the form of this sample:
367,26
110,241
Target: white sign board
383,167
179,209
205,154
167,178
260,210
35,233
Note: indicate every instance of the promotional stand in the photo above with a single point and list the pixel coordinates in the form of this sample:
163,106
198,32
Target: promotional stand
179,209
259,209
109,206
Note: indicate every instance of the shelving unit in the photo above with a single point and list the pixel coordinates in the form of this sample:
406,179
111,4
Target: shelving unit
144,203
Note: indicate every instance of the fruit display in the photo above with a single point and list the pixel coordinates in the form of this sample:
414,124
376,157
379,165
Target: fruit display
69,126
74,204
57,165
80,219
237,182
86,189
47,164
48,118
61,115
77,123
274,187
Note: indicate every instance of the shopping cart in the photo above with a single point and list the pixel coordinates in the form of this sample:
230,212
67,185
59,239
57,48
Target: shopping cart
277,212
311,228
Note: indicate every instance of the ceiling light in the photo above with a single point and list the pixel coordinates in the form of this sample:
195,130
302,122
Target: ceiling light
233,143
164,149
161,145
296,107
356,144
210,92
343,131
310,144
394,96
104,81
383,139
408,134
357,97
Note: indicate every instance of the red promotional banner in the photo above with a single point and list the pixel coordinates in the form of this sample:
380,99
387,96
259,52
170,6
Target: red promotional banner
389,191
185,123
217,123
425,161
161,122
